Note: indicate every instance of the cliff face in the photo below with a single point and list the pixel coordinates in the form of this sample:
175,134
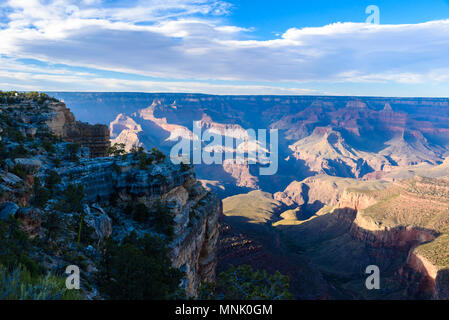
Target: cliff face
408,217
195,210
323,190
400,227
62,123
110,185
194,250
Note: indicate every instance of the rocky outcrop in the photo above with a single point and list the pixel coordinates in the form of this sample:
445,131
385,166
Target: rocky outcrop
95,137
62,123
124,130
355,200
195,210
77,199
99,221
325,190
241,173
420,275
194,249
7,210
33,117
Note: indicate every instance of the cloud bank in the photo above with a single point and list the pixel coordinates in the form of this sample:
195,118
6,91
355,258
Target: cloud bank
187,45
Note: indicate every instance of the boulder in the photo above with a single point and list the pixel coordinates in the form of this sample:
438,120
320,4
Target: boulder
100,222
103,226
8,209
10,178
30,165
31,131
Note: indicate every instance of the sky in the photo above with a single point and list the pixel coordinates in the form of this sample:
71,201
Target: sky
286,47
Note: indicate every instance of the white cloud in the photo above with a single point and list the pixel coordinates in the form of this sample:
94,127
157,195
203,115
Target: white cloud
187,39
34,78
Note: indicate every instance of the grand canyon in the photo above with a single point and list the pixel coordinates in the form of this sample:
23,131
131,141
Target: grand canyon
361,181
218,159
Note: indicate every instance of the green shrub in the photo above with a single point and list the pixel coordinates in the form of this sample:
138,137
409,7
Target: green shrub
73,197
19,171
139,269
72,150
41,194
162,220
54,225
3,152
184,167
117,149
51,180
158,155
48,146
19,152
33,95
13,134
15,247
136,149
145,160
20,284
243,283
141,213
142,160
42,98
128,209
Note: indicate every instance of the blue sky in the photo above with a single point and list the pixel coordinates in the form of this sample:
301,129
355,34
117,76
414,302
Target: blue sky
226,47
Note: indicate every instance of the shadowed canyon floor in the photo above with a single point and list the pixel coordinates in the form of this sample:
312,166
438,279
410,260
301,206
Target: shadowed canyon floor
400,227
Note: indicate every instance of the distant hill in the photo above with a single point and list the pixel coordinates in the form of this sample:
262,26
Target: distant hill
356,137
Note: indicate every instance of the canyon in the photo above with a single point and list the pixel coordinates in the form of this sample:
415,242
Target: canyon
361,181
351,137
394,225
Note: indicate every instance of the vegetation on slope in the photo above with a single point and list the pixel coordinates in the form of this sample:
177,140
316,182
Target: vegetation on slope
244,283
138,269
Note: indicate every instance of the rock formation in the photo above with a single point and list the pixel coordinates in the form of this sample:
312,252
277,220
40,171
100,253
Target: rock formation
63,124
56,117
401,227
195,210
48,185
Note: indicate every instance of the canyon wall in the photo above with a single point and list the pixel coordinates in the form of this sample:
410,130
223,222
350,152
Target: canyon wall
421,276
400,227
195,210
